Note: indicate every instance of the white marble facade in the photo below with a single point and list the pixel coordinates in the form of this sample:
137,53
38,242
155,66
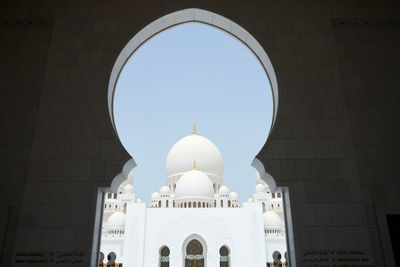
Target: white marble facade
193,205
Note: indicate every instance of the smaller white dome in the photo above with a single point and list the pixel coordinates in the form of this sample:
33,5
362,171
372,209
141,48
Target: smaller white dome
165,190
233,195
260,188
194,183
116,221
128,189
223,190
272,221
155,195
250,200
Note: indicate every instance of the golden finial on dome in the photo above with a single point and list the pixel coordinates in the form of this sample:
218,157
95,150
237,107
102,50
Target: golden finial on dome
194,128
194,165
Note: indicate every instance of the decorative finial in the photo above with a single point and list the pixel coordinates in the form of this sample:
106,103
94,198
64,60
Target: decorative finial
194,128
194,165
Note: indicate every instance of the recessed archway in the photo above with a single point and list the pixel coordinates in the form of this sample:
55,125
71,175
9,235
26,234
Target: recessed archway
200,247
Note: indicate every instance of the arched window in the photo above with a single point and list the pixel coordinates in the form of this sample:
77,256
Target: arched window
223,257
190,204
111,257
159,203
277,258
199,204
164,257
194,254
194,204
167,203
222,203
204,204
185,205
229,203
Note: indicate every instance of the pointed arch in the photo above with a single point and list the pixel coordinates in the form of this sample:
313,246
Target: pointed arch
194,255
164,256
224,259
189,16
152,29
203,244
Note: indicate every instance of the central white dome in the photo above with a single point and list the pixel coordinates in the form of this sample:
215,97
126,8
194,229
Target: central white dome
194,183
194,148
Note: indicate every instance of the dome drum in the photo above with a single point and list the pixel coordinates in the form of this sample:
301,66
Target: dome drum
195,202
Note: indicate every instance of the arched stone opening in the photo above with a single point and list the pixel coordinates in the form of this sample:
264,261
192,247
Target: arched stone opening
224,260
164,256
194,251
189,16
168,21
111,259
194,254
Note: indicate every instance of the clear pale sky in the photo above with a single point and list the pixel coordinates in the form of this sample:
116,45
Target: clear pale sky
193,72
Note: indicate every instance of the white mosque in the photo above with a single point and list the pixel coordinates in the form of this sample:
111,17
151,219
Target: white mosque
194,221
